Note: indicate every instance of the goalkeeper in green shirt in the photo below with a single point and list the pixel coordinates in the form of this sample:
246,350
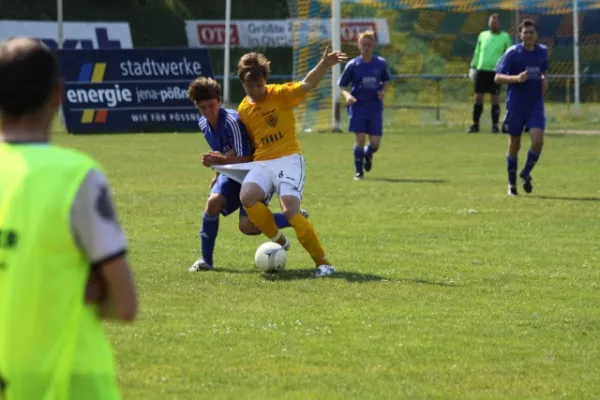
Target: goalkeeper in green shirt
491,45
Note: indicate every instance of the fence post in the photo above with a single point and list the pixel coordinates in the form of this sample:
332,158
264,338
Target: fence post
438,97
569,95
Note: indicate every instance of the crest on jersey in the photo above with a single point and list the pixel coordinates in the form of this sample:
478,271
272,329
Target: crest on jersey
272,119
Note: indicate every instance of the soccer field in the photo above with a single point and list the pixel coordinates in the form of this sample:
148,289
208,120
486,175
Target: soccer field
447,288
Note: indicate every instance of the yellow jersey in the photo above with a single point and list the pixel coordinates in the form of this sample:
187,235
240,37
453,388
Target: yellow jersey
271,123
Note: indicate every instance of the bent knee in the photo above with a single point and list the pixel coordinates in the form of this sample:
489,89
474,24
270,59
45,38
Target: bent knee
247,227
251,194
214,205
360,139
537,139
290,206
289,214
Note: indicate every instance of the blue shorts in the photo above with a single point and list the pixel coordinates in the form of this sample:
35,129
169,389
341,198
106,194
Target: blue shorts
230,190
371,125
515,122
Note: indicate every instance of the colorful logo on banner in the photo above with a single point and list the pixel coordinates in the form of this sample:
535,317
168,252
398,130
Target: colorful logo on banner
93,73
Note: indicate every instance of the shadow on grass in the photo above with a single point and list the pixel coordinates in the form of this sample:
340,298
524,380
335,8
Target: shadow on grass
300,274
242,270
565,198
400,180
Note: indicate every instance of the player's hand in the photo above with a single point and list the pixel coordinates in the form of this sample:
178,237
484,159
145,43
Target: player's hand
206,160
211,158
95,288
472,74
381,95
332,58
350,100
522,77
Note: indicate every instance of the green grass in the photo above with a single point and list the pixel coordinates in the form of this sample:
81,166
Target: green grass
458,116
447,288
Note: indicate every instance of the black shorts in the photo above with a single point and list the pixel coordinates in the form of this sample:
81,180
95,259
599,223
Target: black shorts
484,82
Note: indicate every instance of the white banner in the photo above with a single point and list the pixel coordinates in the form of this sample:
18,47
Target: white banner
76,35
279,32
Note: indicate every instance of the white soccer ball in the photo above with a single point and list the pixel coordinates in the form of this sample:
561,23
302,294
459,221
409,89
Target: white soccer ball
270,257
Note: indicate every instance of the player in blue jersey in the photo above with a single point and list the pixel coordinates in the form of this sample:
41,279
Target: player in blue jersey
228,139
369,79
523,68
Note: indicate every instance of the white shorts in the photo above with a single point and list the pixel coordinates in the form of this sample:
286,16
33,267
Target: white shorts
285,175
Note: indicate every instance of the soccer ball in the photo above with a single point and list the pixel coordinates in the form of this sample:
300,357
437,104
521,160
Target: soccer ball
270,257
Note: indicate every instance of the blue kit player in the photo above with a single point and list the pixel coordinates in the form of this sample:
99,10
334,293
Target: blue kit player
369,78
227,137
523,68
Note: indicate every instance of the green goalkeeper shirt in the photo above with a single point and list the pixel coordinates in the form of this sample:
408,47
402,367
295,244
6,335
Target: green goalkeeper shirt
490,47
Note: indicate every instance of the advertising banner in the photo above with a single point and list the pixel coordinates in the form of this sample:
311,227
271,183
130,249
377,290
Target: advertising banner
280,33
109,91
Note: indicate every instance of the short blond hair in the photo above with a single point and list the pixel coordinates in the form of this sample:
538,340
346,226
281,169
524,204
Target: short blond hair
368,34
253,66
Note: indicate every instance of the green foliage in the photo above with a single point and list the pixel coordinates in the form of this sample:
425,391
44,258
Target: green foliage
154,23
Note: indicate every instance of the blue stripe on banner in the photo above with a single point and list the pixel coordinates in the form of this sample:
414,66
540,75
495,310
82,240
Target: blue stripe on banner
85,74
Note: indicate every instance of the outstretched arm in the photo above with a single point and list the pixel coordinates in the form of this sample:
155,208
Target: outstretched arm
505,71
503,79
231,157
241,151
314,76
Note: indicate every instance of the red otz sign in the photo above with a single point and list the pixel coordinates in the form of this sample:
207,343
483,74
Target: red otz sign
214,34
351,30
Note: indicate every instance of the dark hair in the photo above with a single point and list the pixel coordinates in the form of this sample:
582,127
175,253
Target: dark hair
253,66
29,73
204,88
526,24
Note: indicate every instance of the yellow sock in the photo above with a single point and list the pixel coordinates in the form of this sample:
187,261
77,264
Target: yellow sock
307,236
263,219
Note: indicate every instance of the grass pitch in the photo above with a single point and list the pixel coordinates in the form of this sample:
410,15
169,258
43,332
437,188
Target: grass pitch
446,287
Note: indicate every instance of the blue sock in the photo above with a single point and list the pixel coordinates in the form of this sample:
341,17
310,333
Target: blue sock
369,151
511,166
208,237
532,158
281,221
359,155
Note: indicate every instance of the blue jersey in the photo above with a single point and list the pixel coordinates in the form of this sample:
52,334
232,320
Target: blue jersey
528,95
230,133
366,80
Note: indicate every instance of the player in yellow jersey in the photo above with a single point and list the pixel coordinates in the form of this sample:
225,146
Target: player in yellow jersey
278,165
63,264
